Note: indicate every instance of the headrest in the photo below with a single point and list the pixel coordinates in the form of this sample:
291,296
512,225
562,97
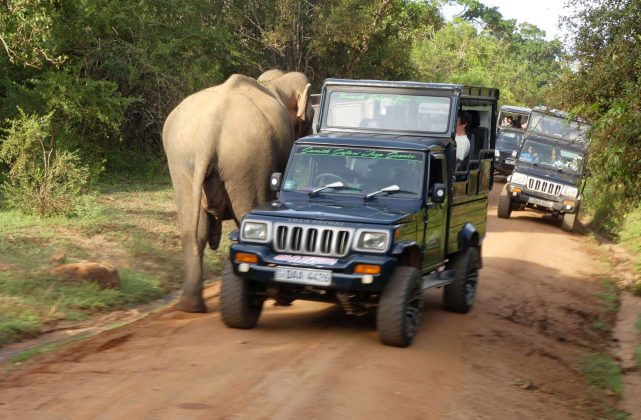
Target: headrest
476,118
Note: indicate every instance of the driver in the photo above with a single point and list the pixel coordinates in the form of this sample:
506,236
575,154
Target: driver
333,169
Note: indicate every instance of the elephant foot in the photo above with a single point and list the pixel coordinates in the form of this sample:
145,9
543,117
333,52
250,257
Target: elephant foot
192,305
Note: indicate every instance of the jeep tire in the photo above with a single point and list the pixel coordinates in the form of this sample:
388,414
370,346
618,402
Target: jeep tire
238,306
568,221
400,308
459,295
505,204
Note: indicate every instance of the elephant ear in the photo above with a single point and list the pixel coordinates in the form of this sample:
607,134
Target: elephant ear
302,103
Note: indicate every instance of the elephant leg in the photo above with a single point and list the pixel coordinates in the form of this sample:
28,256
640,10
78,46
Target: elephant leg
191,299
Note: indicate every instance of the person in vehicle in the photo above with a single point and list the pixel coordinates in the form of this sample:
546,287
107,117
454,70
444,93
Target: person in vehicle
462,141
555,159
517,123
530,156
507,122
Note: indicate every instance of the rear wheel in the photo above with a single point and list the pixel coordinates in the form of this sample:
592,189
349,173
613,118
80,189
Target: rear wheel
505,205
459,295
400,308
239,307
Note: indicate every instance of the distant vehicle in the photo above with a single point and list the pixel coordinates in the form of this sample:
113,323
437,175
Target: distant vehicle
372,210
516,117
550,166
508,141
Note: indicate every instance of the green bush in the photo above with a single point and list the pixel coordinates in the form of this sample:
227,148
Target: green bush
42,180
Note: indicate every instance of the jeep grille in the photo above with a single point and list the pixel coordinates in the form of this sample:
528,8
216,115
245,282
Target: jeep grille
545,187
327,241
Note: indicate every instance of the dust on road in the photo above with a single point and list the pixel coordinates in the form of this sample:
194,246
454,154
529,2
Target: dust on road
515,355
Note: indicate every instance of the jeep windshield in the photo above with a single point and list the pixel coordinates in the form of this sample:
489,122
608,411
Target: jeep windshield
551,156
510,138
556,126
388,112
361,171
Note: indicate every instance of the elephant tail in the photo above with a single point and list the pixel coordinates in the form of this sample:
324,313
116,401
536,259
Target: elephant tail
197,192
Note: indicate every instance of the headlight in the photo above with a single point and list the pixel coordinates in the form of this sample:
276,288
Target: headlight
372,241
570,191
497,153
254,231
518,178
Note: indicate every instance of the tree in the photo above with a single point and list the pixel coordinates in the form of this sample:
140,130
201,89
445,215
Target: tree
605,88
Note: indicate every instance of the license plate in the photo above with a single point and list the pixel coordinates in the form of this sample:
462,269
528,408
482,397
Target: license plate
303,276
538,202
509,161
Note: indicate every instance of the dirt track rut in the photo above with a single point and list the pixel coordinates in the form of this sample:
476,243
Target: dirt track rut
513,356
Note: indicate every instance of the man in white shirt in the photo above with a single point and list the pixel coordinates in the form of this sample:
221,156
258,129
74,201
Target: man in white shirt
462,141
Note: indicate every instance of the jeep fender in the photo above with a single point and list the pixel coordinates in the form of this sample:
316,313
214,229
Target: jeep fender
410,253
469,236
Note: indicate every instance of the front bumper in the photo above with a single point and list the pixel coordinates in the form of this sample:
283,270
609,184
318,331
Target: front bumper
503,166
522,197
343,276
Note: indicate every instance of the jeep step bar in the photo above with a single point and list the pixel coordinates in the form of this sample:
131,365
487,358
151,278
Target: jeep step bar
438,279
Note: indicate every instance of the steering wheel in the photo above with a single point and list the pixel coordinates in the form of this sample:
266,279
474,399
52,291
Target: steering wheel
331,176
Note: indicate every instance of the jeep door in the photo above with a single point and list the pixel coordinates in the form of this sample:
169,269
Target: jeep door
435,220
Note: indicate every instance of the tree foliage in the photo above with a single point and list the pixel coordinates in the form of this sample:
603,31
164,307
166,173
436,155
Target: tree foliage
605,87
482,48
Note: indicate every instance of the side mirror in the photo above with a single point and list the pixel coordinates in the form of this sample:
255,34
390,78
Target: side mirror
438,193
234,236
274,181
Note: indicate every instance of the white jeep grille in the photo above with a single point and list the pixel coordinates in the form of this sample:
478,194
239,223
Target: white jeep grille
545,187
317,240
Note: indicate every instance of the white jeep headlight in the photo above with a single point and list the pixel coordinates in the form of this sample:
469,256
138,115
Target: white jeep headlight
518,178
570,191
372,241
497,153
254,231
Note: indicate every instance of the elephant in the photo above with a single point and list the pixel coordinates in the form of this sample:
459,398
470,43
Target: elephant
270,75
222,144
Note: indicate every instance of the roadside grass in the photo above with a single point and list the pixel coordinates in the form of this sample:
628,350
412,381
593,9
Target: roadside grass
600,370
630,238
130,225
609,302
637,349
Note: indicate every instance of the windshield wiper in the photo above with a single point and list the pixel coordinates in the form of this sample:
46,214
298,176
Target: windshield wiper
334,185
392,189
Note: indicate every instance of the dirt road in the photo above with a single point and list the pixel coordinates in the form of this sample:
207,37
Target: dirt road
514,356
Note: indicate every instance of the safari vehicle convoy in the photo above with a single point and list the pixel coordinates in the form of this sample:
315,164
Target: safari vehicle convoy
549,170
372,210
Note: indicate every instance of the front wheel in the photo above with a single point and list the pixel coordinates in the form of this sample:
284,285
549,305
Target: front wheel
459,295
569,220
505,205
239,307
400,308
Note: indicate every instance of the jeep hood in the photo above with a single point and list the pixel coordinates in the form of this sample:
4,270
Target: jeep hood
331,211
547,173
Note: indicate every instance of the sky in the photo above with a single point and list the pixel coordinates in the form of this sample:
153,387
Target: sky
542,13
